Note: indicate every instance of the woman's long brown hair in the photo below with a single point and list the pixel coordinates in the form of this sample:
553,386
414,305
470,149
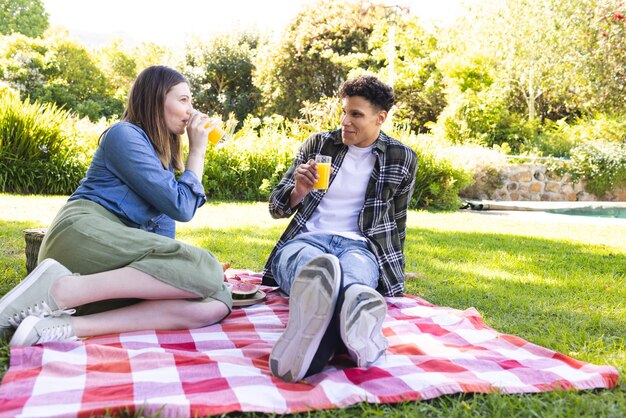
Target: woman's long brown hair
146,109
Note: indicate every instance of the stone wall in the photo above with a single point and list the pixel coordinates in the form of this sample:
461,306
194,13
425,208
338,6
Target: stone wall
533,182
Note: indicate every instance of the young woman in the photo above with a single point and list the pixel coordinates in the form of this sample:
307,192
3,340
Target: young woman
110,256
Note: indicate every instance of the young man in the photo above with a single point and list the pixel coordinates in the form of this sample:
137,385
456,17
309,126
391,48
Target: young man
345,244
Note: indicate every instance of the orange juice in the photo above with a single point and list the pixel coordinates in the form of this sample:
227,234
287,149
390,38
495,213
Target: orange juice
216,134
323,169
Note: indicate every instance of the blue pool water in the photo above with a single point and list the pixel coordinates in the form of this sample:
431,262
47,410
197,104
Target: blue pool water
599,212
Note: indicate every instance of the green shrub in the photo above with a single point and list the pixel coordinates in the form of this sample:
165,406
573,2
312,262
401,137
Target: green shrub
601,164
36,155
482,118
252,162
485,164
560,137
44,150
438,180
555,139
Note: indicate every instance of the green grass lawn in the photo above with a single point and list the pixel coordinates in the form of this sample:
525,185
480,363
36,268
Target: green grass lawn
561,285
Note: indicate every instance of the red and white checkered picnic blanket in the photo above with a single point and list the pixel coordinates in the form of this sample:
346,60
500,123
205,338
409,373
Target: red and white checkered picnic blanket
223,368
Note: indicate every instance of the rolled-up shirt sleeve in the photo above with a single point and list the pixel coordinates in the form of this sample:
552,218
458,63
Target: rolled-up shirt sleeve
130,156
279,204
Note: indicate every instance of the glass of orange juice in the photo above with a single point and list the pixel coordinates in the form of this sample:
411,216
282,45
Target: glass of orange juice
216,135
323,169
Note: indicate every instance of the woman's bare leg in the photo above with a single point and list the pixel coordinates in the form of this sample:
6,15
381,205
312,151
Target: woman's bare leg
153,314
127,282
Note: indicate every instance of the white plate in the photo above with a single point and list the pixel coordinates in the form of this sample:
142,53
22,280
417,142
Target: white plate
259,296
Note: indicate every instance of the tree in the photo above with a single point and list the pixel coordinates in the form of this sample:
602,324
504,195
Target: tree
404,55
607,55
511,66
59,71
147,54
535,47
119,68
220,74
319,48
22,64
76,81
27,17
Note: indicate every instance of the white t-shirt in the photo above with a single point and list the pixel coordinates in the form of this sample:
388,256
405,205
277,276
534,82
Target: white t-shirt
339,210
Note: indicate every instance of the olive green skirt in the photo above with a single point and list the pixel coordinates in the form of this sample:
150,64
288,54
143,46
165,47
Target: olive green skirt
86,238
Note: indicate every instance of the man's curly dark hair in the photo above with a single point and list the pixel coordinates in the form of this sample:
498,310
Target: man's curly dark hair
371,88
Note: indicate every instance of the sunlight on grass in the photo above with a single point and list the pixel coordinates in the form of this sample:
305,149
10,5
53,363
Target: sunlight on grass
491,273
567,228
225,215
35,209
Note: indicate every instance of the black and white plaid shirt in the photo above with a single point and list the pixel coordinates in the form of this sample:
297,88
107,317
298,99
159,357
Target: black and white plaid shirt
383,217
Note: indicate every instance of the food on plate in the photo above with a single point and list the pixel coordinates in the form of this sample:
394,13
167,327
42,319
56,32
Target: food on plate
242,290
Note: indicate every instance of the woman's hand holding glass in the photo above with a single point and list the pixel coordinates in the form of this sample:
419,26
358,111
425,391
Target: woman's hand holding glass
198,129
197,132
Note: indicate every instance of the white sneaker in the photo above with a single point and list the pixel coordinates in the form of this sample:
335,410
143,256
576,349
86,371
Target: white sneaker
360,324
31,296
311,306
35,330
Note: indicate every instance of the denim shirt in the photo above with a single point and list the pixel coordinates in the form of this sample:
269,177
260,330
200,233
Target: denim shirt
127,178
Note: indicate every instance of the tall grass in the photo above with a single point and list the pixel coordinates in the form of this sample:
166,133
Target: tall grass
36,156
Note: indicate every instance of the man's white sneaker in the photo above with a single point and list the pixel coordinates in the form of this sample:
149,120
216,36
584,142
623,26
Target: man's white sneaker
311,306
360,324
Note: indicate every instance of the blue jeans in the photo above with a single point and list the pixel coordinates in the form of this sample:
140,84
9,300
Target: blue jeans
358,263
